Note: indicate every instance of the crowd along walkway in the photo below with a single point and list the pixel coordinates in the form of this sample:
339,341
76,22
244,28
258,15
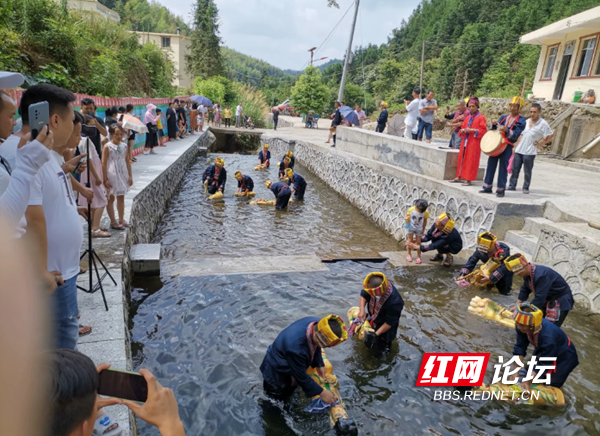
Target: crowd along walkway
106,342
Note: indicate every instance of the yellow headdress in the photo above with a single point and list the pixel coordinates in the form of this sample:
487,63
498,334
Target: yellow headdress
517,100
384,103
485,241
268,184
446,222
533,318
289,172
325,336
266,146
286,160
379,290
289,154
220,162
516,263
238,175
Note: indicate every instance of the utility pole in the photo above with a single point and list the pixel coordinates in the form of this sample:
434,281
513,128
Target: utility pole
348,53
312,53
422,67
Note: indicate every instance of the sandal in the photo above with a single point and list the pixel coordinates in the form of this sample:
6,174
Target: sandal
84,330
418,261
409,258
125,224
100,234
116,226
457,180
467,183
106,426
449,261
436,258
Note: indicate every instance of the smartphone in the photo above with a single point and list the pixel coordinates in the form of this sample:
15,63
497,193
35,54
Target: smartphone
83,159
39,116
90,131
123,384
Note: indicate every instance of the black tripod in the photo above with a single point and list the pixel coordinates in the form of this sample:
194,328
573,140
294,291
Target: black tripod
93,256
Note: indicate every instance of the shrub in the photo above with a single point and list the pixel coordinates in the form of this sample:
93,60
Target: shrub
254,103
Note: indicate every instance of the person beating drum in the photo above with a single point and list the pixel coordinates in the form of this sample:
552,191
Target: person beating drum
511,125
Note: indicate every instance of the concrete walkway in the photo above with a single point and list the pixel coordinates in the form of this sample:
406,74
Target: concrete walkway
107,341
573,191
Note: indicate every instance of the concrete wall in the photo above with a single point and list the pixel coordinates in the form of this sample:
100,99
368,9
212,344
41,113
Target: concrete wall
419,157
384,192
94,7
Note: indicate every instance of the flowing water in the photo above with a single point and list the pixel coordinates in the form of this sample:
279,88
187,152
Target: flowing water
205,337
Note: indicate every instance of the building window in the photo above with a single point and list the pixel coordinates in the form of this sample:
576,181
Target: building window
166,42
585,57
551,53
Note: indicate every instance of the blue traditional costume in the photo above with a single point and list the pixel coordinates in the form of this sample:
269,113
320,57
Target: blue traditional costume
444,238
502,278
383,306
515,125
299,184
297,348
548,341
282,193
264,156
215,177
382,119
284,165
551,293
245,183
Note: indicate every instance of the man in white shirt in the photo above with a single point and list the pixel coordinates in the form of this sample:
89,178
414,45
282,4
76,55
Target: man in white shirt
537,133
239,110
412,110
360,114
52,216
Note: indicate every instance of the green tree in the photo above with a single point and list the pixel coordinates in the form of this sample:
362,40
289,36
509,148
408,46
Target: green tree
211,89
205,58
443,81
309,92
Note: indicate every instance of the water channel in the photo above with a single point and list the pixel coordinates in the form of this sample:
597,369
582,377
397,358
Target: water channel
205,336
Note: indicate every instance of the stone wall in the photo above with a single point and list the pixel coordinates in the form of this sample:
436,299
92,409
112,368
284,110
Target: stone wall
151,203
384,192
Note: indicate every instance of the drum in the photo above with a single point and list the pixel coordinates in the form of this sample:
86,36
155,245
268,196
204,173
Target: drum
493,143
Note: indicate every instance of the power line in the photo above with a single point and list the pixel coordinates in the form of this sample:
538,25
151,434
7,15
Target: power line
475,44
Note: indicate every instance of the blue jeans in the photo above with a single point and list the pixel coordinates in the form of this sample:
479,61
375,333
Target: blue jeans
424,127
490,172
64,323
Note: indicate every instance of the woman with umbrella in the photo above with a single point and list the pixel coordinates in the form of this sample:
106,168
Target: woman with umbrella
150,121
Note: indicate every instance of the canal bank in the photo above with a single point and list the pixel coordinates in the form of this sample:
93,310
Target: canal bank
382,175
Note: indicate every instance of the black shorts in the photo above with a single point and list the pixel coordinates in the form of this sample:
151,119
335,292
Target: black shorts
131,137
161,133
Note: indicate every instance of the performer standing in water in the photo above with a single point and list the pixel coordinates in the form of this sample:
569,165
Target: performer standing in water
264,156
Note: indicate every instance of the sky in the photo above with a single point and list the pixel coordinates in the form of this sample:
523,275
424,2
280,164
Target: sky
281,31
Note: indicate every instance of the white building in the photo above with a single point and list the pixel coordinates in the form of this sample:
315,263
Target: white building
569,61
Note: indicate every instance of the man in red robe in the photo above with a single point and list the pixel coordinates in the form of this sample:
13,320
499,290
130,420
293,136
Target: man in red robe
472,130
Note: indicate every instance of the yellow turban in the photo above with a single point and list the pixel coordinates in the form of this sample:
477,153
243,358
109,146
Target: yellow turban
220,162
516,263
289,154
238,175
446,222
287,160
517,100
379,290
268,184
533,319
485,241
325,336
289,172
266,146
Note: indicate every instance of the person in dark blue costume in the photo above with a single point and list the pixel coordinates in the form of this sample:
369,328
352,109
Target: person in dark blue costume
548,341
488,247
284,165
443,238
383,118
297,182
215,177
282,193
511,125
380,303
264,156
297,348
552,293
245,183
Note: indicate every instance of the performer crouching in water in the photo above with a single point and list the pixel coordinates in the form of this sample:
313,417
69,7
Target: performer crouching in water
381,304
264,156
297,348
282,193
548,340
245,184
444,238
488,247
284,165
297,182
215,177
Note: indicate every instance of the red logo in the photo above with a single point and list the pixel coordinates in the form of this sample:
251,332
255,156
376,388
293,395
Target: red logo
453,369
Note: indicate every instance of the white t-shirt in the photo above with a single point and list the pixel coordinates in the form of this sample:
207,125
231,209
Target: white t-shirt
53,191
238,111
8,149
413,112
531,134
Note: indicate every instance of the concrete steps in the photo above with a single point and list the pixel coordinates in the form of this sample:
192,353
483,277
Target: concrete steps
521,241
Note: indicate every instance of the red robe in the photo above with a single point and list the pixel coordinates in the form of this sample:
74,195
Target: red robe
470,147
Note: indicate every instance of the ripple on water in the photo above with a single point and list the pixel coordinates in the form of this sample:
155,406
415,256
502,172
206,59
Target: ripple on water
205,337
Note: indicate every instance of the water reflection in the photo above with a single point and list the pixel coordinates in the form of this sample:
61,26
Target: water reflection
205,337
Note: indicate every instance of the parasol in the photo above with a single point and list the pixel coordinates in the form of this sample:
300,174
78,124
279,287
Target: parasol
352,118
132,123
200,99
395,125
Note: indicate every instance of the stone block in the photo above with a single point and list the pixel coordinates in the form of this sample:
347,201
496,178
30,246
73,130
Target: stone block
145,259
203,151
524,241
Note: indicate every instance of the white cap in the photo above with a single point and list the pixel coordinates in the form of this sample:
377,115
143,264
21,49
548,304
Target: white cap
10,80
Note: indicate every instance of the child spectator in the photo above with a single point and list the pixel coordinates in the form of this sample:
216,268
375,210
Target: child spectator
415,224
159,125
117,175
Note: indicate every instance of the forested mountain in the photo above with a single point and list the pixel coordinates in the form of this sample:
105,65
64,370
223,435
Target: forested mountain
471,48
246,68
147,16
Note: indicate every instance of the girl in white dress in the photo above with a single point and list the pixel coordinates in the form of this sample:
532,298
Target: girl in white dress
117,175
